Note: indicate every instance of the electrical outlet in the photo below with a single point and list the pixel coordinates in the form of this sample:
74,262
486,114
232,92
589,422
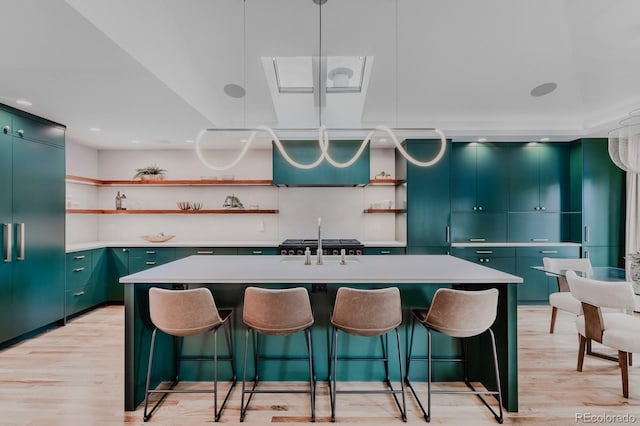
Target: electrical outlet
318,288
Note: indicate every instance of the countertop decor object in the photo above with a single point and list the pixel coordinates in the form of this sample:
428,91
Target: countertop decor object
152,172
160,238
184,205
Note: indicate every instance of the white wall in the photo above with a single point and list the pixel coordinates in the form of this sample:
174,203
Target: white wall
340,208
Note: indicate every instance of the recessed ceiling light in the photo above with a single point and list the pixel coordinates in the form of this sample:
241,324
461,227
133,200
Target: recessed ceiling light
95,129
189,141
243,140
482,139
543,89
382,140
135,141
234,90
544,139
23,102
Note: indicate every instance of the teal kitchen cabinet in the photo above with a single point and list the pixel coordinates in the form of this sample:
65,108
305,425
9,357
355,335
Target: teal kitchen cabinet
384,250
141,258
539,227
306,152
257,251
603,205
38,131
181,252
537,286
117,266
428,197
6,228
539,177
478,177
32,194
478,227
500,258
86,276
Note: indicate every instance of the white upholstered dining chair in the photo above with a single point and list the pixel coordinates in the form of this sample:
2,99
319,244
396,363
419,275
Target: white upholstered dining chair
617,330
562,299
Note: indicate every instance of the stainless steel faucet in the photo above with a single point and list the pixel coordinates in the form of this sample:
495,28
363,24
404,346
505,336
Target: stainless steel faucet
319,251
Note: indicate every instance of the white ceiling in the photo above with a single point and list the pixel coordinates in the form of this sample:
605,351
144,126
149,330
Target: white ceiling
154,71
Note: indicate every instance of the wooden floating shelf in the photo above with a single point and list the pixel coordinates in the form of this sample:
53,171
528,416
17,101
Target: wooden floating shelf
167,182
376,211
387,182
219,211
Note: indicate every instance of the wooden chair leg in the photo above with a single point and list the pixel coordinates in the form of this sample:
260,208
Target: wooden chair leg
581,350
624,370
554,313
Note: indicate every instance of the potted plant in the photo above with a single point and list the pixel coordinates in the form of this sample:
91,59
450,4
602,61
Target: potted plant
151,172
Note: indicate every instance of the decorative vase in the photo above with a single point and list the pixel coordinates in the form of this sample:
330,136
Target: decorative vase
634,270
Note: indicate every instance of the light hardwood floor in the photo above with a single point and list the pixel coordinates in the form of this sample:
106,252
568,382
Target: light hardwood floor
73,375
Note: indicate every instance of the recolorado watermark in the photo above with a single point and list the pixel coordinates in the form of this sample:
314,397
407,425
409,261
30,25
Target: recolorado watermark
606,418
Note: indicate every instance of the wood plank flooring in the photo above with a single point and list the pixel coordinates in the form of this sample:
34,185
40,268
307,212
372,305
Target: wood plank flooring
73,375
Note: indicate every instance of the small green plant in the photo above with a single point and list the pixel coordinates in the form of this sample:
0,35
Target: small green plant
149,170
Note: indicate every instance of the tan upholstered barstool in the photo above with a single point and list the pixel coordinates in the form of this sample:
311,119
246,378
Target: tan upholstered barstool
181,313
276,312
368,313
461,314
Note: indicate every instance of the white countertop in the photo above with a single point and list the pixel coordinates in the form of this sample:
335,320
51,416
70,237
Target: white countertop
141,243
411,269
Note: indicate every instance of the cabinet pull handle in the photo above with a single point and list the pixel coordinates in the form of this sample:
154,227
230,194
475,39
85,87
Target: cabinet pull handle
586,234
540,240
543,208
150,263
204,252
486,261
477,240
484,251
78,257
21,133
7,243
20,241
80,293
385,251
78,270
549,251
6,129
475,208
448,234
481,260
257,252
480,208
151,252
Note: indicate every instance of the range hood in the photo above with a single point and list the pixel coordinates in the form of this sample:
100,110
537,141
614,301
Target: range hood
307,151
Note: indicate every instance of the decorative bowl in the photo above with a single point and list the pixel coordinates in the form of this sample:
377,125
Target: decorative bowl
195,205
160,238
184,205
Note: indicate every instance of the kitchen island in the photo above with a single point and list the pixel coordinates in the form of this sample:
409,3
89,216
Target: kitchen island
417,276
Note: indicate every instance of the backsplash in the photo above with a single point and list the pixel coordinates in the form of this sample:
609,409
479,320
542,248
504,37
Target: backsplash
340,207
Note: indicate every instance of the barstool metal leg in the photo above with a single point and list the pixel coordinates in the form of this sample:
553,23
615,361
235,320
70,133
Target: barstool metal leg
427,415
312,377
332,386
243,407
499,418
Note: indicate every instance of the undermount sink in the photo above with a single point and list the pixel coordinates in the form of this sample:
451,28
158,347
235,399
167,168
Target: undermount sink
325,259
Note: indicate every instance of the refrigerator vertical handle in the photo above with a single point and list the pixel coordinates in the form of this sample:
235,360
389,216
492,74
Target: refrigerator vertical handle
586,234
7,243
20,241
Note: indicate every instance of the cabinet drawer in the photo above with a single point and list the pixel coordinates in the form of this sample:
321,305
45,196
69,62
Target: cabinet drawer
384,250
257,251
79,271
137,264
78,257
203,251
81,298
483,251
549,251
153,253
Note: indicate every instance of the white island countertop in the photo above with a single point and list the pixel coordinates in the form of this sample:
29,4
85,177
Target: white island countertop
409,269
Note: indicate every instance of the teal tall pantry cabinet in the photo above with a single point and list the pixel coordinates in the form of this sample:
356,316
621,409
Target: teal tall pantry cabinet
32,218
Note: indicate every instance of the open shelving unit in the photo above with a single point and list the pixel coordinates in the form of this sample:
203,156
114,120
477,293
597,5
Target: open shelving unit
218,211
169,182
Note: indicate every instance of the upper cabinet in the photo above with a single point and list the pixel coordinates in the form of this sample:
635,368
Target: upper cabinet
478,178
325,174
428,209
539,177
